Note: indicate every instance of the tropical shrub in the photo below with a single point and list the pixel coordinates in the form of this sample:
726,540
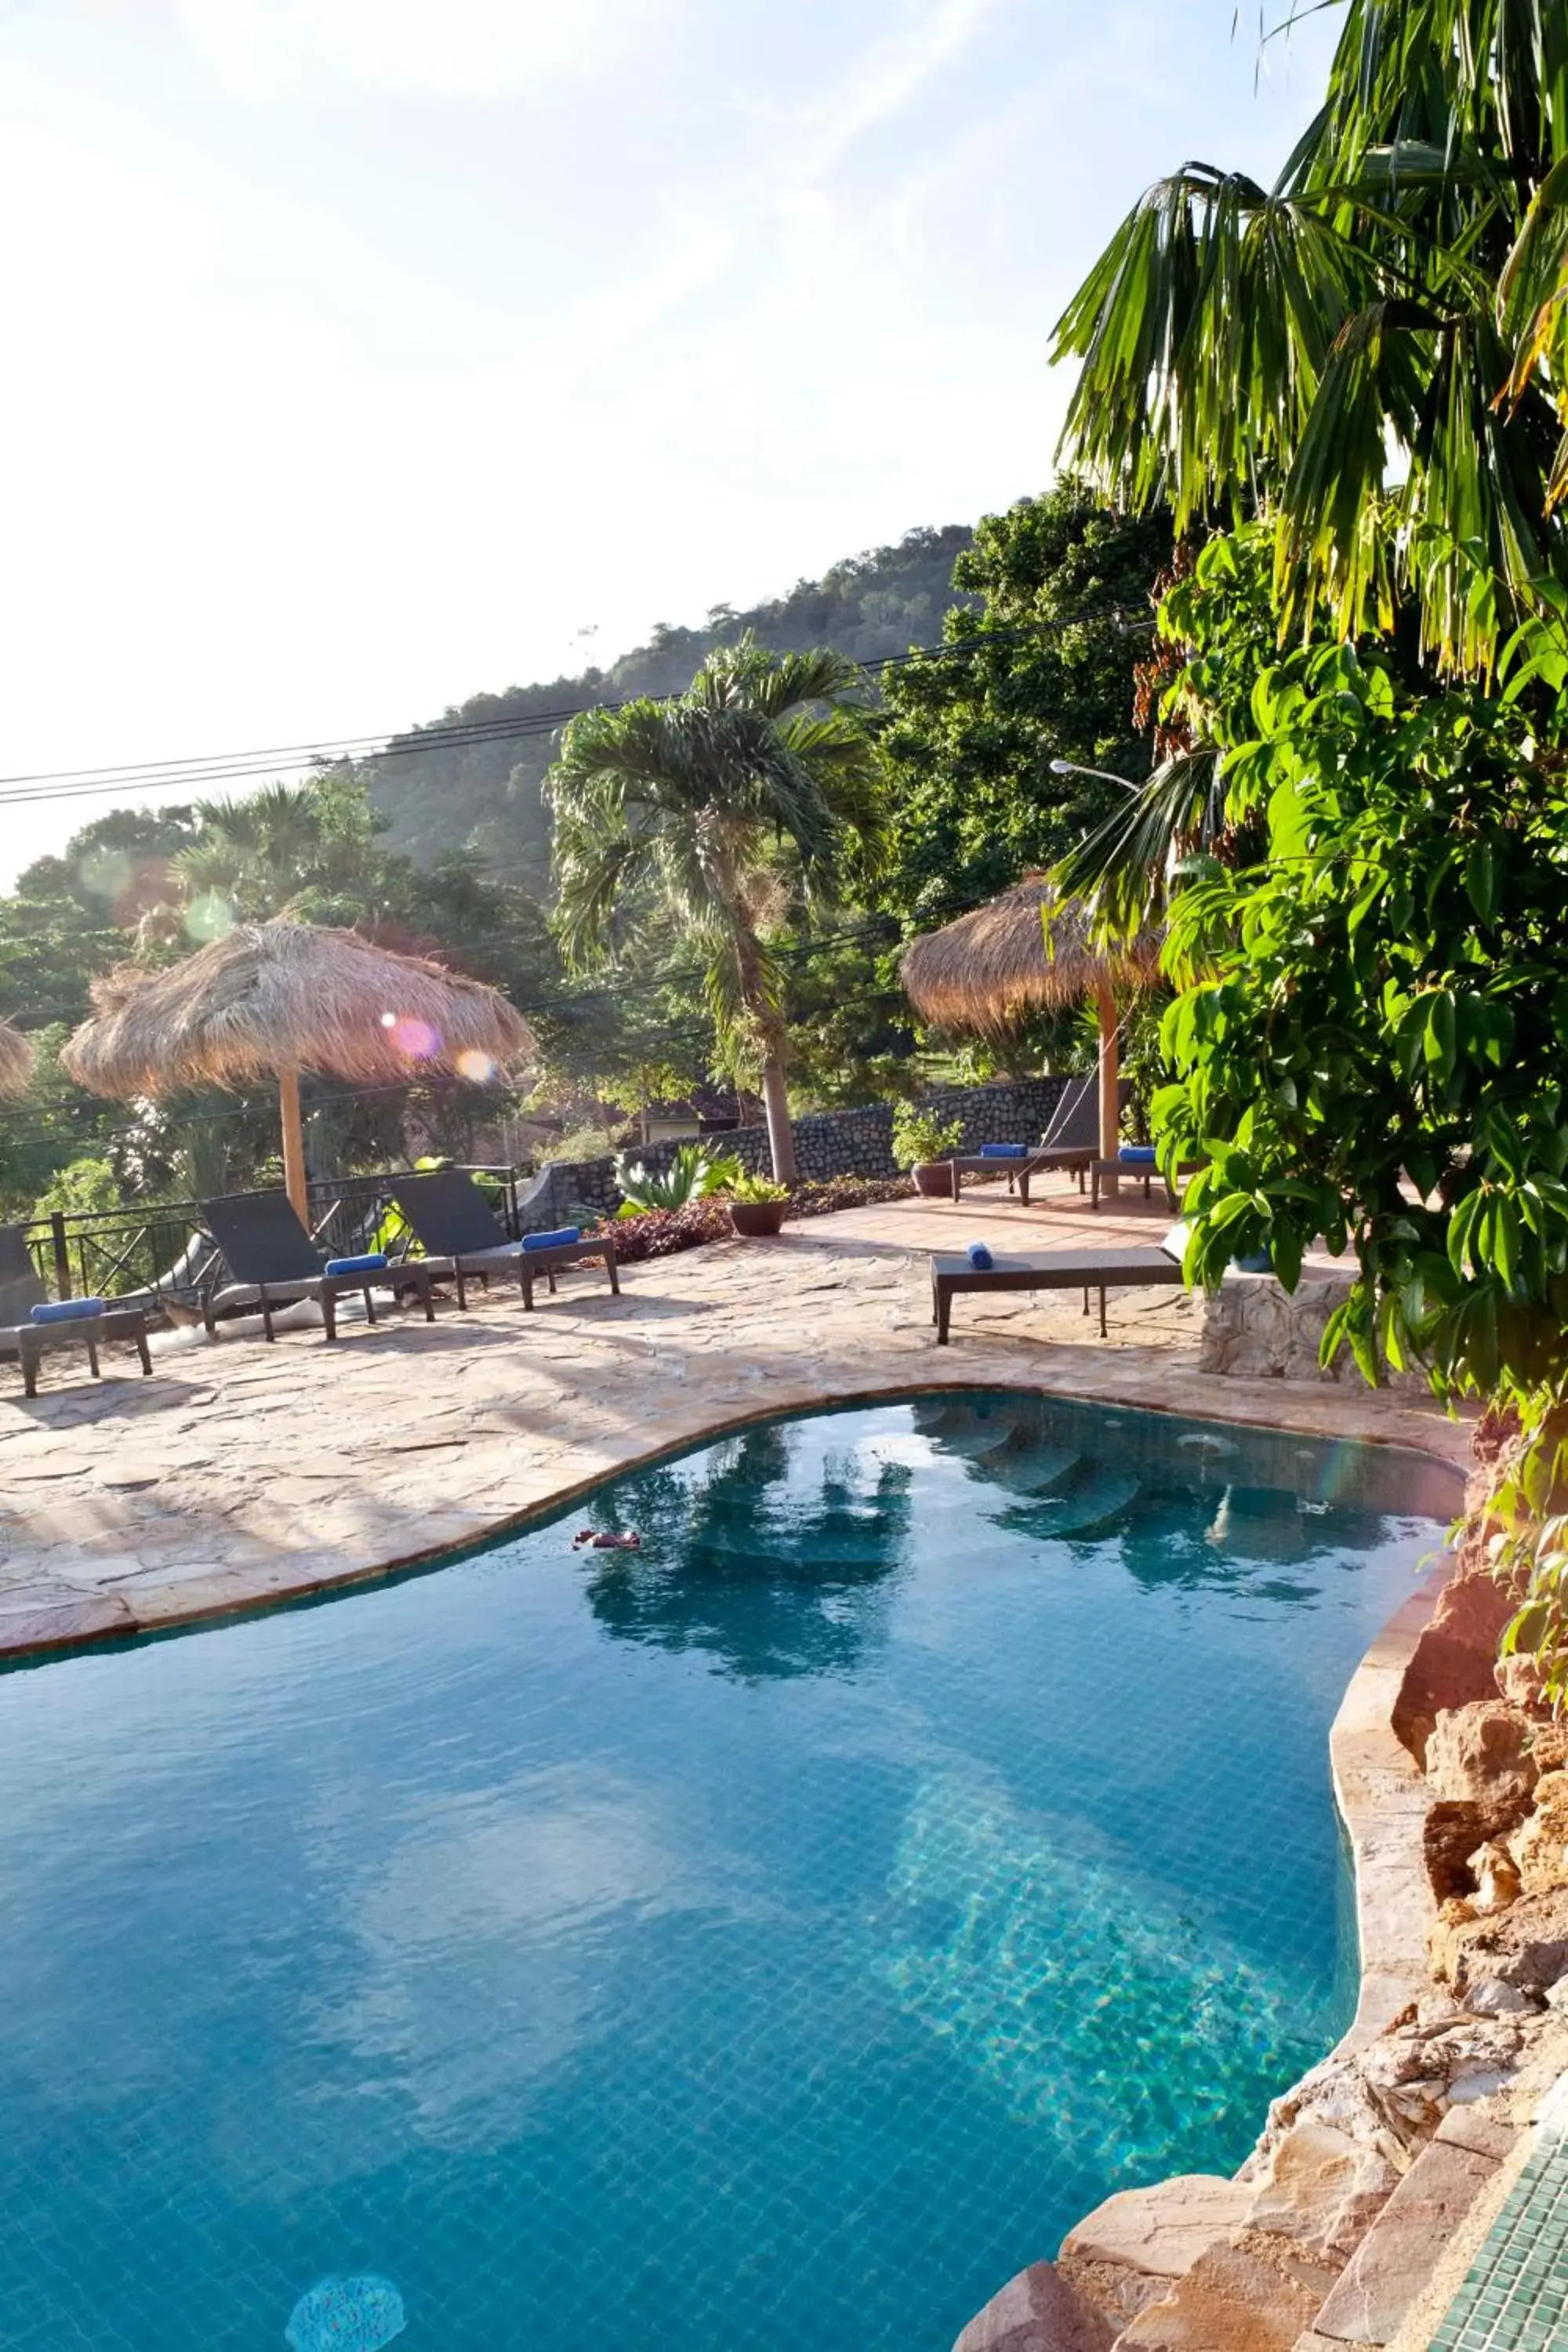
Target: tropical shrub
83,1188
920,1135
758,1188
661,1232
692,1175
1382,996
844,1192
583,1143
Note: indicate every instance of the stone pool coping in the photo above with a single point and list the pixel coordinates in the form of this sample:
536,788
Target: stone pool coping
126,1591
242,1476
1383,1796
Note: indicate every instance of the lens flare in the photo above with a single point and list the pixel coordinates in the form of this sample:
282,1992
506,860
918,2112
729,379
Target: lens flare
106,873
476,1068
209,917
413,1038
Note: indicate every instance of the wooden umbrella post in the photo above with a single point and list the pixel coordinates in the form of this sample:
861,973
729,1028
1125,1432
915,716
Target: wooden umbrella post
1110,1085
294,1180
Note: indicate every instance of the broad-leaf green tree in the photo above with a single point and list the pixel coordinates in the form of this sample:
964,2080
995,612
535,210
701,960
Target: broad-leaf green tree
748,803
1045,669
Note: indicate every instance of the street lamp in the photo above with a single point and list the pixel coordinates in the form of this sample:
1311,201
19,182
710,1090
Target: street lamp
1071,768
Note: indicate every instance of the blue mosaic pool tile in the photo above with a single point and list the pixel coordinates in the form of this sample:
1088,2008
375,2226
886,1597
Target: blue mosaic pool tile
1515,2298
772,1937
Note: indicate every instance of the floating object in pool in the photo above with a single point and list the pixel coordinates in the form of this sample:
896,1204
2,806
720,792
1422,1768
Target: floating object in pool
632,1542
346,2315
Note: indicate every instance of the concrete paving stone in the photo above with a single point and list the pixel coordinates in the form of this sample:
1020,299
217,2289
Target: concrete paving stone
524,1408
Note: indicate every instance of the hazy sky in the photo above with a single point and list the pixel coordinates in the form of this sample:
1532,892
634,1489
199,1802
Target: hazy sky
363,353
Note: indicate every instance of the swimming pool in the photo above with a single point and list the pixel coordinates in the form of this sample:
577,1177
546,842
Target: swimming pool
777,1936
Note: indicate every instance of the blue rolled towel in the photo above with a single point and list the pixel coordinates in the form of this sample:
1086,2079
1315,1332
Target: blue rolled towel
1004,1151
980,1257
1254,1262
66,1310
562,1239
372,1262
1137,1155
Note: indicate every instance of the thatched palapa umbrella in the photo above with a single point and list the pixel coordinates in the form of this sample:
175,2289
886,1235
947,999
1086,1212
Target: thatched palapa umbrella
984,971
270,1000
16,1061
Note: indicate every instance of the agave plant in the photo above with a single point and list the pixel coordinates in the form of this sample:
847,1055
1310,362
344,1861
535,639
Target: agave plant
691,1176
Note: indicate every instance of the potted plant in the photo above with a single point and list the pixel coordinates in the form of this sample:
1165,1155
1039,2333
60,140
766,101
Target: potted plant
923,1144
757,1205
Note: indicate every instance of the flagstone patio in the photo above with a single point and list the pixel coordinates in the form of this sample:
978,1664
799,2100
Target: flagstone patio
241,1473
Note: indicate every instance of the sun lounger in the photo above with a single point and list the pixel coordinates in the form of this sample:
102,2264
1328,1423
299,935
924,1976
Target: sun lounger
1143,1171
273,1261
985,1164
1070,1145
454,1225
1084,1270
24,1342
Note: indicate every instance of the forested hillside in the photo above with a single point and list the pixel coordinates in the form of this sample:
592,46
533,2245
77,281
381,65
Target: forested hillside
486,793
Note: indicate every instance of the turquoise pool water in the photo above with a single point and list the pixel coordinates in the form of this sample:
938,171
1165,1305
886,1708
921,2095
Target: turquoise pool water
772,1939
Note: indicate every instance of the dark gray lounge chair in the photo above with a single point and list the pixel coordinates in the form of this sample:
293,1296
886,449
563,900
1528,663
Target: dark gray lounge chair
453,1225
273,1261
1144,1171
24,1342
1069,1147
1084,1270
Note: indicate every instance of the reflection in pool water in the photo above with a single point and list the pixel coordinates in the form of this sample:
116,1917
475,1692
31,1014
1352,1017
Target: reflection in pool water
774,1936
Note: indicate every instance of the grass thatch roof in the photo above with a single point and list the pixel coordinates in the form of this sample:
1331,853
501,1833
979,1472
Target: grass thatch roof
990,968
16,1061
272,997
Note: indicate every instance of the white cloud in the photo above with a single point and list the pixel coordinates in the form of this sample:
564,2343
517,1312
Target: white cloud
328,419
482,1936
451,48
889,74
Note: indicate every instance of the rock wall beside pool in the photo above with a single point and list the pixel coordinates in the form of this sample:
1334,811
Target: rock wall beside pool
827,1143
1256,1330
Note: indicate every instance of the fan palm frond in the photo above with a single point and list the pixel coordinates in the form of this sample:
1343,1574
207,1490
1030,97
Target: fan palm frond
755,791
1390,320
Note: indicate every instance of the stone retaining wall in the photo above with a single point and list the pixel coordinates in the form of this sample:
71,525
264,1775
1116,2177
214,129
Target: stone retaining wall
1254,1330
827,1143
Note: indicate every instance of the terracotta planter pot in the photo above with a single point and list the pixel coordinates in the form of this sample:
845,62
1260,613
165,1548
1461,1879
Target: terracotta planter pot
754,1218
933,1177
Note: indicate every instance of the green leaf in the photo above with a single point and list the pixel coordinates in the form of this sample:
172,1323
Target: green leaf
1481,880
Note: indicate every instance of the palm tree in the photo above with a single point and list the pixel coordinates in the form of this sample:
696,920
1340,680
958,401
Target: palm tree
751,801
309,846
1375,349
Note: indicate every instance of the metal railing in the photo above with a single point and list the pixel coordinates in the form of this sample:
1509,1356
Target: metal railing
159,1251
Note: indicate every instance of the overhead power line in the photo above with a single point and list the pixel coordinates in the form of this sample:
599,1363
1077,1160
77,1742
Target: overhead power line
203,773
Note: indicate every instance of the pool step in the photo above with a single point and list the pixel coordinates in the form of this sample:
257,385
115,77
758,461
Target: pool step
1090,1501
957,1428
1035,1467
